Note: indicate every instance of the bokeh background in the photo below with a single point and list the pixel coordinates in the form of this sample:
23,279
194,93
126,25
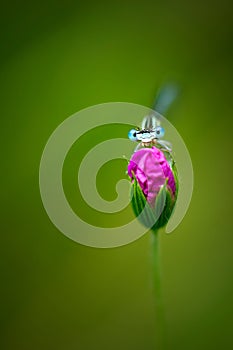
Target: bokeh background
58,57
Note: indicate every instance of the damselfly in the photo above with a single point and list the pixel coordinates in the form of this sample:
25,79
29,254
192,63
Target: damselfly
151,132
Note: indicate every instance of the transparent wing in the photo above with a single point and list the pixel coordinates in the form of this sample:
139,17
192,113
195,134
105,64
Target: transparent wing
166,95
167,145
149,122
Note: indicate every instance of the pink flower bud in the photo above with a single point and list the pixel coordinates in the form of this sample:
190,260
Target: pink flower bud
153,172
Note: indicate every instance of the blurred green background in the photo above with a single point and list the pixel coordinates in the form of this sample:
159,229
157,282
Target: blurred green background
57,58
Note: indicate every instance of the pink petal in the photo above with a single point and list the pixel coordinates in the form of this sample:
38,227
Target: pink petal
151,170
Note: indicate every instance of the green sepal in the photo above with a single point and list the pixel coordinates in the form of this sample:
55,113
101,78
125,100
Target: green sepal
139,203
175,174
158,216
165,199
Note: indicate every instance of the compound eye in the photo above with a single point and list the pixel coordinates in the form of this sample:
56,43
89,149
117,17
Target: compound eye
132,135
159,132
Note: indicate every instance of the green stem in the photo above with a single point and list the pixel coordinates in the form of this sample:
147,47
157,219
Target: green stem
157,289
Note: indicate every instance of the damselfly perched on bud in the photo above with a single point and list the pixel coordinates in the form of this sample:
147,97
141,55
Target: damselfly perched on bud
153,173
